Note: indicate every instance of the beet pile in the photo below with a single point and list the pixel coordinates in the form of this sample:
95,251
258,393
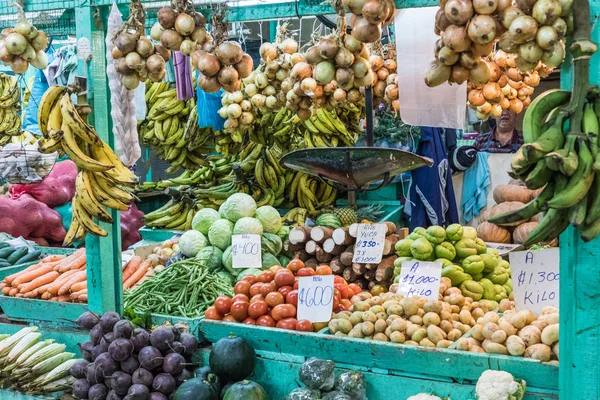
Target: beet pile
123,362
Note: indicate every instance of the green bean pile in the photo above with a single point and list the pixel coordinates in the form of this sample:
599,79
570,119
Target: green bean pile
184,289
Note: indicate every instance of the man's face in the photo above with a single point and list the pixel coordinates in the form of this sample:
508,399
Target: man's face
506,121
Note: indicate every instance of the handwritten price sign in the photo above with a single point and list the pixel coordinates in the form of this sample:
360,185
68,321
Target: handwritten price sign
315,298
370,240
420,278
245,252
535,278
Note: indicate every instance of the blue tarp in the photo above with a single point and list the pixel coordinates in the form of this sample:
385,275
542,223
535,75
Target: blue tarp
431,198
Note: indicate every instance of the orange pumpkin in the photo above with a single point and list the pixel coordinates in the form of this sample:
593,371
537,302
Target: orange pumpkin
489,232
504,193
504,208
522,231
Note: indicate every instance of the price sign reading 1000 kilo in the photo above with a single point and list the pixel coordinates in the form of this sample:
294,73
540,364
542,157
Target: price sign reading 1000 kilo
370,241
245,252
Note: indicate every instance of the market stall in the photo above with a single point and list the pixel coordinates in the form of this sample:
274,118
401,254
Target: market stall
185,275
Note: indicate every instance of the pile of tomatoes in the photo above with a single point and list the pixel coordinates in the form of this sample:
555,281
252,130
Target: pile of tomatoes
270,299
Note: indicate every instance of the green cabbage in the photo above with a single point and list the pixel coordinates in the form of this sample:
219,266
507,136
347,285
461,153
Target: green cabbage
248,225
228,261
237,206
191,242
284,232
219,233
268,260
211,256
269,218
271,243
226,276
204,219
247,271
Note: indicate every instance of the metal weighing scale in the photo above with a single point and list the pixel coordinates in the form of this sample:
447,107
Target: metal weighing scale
353,169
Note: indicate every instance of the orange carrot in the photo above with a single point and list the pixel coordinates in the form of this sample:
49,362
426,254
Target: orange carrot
13,291
2,285
19,295
75,264
39,281
131,266
53,288
137,275
31,275
8,280
81,285
63,299
53,257
6,290
46,296
75,295
77,277
69,261
83,298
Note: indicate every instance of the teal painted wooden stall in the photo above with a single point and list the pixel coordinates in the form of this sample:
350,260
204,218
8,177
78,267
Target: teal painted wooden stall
406,370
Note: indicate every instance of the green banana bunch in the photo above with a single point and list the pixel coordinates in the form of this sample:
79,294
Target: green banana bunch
10,96
296,216
562,159
174,215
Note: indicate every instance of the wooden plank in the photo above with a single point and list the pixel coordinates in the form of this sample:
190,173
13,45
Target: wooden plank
20,309
68,336
279,377
441,363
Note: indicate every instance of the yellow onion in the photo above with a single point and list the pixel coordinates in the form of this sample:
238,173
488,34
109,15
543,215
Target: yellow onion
222,112
353,96
503,81
187,47
382,74
496,110
313,56
208,64
456,38
352,44
246,118
481,73
154,64
532,79
199,35
261,80
324,72
526,102
258,100
379,89
374,11
156,31
467,60
344,58
476,98
161,51
390,64
441,21
391,92
331,86
506,90
167,17
523,29
281,74
133,60
229,53
554,56
365,31
485,6
482,50
360,67
170,39
506,44
459,74
509,15
437,73
503,5
231,123
40,61
246,105
530,52
268,51
184,24
301,70
209,84
525,66
495,71
516,106
227,76
244,66
560,26
492,92
448,56
546,12
130,81
296,58
458,12
546,37
515,84
327,47
482,116
482,29
339,95
40,41
305,103
500,58
250,89
484,108
308,85
304,114
288,46
29,53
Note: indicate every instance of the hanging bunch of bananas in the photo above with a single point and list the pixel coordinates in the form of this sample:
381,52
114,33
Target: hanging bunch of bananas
326,128
309,192
103,180
565,162
176,214
296,216
10,96
171,127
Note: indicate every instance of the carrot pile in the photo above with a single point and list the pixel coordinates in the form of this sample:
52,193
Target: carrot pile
64,278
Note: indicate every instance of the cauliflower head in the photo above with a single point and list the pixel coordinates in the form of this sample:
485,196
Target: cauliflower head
499,385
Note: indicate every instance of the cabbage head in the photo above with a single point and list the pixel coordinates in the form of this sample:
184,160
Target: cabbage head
268,260
191,242
248,225
204,219
271,243
219,233
228,261
238,205
226,276
211,257
284,232
269,218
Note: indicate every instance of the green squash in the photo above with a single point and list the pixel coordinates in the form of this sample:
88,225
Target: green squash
196,389
232,359
245,390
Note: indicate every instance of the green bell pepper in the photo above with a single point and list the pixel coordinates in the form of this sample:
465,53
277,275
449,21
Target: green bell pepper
445,250
472,289
473,265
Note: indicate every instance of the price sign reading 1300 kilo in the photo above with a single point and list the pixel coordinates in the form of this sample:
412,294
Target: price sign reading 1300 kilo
370,240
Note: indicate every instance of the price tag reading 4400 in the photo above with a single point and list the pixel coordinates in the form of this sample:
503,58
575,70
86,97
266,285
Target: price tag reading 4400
420,278
315,298
245,251
370,240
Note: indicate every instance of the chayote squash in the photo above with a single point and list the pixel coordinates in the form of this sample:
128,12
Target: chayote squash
445,250
472,289
490,262
403,247
454,232
489,293
465,248
473,265
418,232
435,234
421,249
480,246
499,276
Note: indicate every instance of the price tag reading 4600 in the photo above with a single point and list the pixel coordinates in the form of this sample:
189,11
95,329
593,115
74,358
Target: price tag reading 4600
245,251
370,241
315,298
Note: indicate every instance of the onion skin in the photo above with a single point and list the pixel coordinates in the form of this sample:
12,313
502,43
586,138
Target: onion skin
457,38
458,12
523,29
209,84
171,40
365,31
245,66
459,74
437,74
441,21
166,17
482,29
229,53
209,65
475,97
481,73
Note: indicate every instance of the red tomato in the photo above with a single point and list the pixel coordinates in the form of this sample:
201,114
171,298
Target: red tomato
239,297
304,325
258,297
284,290
275,268
255,289
347,293
265,276
339,279
283,311
265,320
295,265
229,318
355,288
323,269
287,323
250,278
306,272
295,285
337,293
212,313
292,297
284,277
274,299
336,303
239,310
258,309
267,288
249,321
223,304
242,287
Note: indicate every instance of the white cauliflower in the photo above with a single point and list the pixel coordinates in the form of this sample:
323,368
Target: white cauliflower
499,385
423,396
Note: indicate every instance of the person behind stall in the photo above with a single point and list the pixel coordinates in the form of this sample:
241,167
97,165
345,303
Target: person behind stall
504,138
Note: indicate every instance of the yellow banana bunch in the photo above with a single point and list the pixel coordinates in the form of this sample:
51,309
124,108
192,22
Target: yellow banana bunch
103,180
10,96
296,216
310,192
565,163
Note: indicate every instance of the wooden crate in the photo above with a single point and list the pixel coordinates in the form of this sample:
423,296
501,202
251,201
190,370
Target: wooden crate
158,235
408,370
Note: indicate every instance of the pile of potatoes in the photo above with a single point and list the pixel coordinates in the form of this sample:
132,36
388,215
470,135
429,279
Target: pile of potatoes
413,321
517,333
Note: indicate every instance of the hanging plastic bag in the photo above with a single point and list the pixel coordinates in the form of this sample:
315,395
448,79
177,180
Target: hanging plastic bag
122,101
183,76
443,106
208,105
